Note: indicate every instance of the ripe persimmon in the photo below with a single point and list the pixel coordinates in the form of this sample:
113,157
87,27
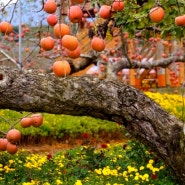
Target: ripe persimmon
11,148
3,144
6,27
47,43
37,120
75,14
27,50
95,10
98,44
13,135
70,42
50,6
52,19
118,5
61,68
61,29
105,11
180,20
26,122
156,14
73,53
77,1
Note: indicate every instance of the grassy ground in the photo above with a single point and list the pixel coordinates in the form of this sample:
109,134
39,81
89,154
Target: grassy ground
168,90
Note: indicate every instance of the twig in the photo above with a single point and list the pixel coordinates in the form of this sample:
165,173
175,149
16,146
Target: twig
1,132
124,46
17,121
5,119
9,58
13,12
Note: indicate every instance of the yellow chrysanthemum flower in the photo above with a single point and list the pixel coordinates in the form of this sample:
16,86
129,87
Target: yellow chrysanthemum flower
98,171
78,182
58,182
141,168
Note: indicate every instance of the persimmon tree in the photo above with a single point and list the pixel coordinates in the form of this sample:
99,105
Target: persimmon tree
59,93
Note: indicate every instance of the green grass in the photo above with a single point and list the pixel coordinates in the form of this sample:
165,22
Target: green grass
59,126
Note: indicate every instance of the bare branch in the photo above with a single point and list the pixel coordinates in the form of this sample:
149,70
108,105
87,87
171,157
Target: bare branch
2,133
9,58
163,62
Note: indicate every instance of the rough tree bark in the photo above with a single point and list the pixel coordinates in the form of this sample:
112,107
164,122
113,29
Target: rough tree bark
106,99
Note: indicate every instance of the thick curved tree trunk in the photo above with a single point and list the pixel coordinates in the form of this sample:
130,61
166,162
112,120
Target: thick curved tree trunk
106,99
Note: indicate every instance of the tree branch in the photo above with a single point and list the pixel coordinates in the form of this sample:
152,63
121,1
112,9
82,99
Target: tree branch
9,58
163,62
112,100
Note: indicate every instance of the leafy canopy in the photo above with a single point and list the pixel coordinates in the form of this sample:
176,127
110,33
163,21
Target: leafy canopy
135,17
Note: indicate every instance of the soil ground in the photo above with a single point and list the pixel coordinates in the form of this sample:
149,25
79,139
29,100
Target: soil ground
49,145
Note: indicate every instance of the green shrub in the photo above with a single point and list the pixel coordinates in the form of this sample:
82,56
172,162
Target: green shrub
59,126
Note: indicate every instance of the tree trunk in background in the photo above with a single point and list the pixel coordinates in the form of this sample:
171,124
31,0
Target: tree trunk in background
106,99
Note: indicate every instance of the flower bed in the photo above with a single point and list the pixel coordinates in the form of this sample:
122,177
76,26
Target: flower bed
130,163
